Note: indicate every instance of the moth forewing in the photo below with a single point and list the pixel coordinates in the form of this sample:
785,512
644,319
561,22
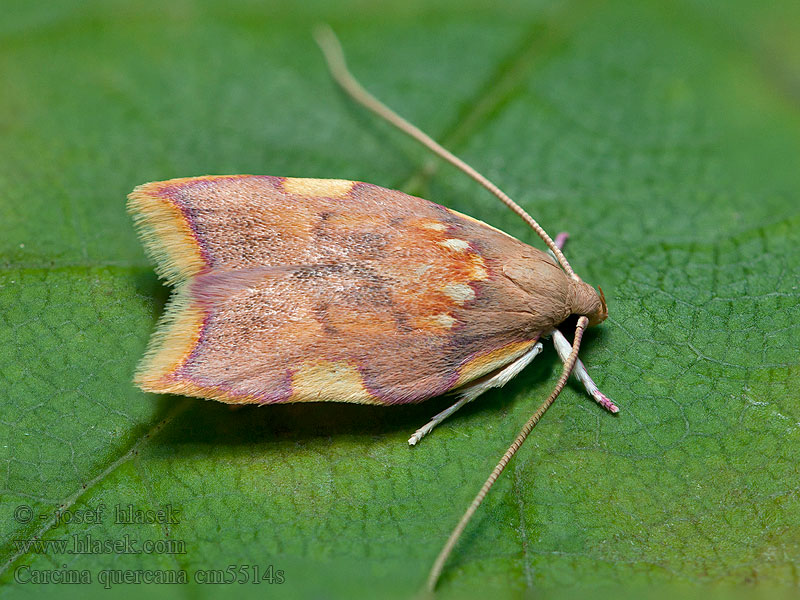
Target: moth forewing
311,290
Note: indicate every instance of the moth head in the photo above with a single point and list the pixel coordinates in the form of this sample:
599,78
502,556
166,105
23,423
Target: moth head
588,301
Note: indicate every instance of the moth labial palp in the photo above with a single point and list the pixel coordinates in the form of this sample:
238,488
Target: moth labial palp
563,348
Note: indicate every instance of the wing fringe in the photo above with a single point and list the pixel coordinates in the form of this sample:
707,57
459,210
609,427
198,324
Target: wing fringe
170,243
166,233
177,333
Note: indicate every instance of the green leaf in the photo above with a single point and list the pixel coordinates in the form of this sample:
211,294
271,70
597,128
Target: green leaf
663,136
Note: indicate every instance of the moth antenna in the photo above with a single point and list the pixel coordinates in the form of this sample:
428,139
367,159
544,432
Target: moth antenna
334,56
436,571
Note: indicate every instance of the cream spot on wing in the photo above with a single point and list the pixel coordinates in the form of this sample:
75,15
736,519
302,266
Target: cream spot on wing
420,271
459,292
478,272
433,225
327,188
328,381
455,244
443,320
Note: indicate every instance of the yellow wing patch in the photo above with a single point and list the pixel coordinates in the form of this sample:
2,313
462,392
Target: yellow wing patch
315,188
486,363
323,380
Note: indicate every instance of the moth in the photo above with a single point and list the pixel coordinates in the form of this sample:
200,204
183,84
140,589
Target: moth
309,290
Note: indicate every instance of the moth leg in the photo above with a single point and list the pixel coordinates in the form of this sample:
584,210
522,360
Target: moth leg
428,427
472,390
563,347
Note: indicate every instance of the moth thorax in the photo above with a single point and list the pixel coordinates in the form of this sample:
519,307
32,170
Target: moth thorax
586,301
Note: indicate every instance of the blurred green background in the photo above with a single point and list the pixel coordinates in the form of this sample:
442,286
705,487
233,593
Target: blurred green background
664,136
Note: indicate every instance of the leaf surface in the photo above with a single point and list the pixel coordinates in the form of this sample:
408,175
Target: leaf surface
663,137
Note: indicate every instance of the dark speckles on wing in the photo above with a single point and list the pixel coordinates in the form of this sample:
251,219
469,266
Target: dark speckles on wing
336,234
